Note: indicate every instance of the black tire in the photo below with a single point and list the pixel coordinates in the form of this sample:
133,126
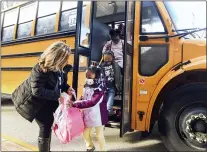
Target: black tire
190,97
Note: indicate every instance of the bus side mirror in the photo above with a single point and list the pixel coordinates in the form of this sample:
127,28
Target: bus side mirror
143,38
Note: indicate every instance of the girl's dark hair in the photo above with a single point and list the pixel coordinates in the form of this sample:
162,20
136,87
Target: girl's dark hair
114,32
94,69
109,52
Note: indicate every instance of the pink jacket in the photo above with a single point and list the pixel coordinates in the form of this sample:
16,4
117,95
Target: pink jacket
94,109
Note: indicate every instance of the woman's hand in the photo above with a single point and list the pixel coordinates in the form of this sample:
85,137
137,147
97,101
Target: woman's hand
61,99
70,90
69,104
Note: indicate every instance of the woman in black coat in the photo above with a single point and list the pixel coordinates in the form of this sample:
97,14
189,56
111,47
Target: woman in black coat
37,97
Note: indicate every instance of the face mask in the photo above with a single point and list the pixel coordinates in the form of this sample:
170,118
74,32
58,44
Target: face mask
108,62
90,81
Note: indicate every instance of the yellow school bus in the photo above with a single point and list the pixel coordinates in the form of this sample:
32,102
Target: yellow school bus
27,30
165,70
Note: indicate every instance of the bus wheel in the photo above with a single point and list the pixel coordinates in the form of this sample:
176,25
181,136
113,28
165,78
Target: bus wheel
183,122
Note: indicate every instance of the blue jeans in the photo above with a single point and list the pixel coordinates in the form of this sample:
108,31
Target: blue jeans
110,100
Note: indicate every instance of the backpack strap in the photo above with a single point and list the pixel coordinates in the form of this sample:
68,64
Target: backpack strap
111,45
122,45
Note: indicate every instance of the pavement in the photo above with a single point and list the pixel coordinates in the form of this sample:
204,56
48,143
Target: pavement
17,134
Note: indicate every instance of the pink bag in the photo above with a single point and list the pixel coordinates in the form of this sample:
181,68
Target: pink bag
68,122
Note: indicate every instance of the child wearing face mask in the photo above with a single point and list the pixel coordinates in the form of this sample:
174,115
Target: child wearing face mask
94,108
112,75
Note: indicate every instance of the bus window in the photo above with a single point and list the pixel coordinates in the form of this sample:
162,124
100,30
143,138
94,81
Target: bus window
26,16
69,5
48,7
85,25
150,19
108,8
68,16
10,20
149,55
47,17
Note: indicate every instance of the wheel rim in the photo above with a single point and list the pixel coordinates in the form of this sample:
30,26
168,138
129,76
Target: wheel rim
191,125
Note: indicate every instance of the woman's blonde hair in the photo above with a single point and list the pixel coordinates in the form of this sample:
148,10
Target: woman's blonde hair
55,57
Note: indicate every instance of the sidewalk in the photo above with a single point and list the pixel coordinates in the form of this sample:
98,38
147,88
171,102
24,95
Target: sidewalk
11,144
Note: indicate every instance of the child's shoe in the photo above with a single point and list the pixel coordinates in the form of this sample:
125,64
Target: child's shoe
90,150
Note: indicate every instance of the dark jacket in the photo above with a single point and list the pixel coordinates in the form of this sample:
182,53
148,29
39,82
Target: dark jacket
117,75
36,91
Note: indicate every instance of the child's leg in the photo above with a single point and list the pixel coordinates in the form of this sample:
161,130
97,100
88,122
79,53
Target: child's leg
87,138
101,138
110,100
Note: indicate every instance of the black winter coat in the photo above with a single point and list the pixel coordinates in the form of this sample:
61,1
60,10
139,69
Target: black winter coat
38,90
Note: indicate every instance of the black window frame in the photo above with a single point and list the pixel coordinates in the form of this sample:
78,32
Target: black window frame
157,70
160,16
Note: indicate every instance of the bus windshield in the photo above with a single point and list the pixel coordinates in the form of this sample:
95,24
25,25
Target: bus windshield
188,16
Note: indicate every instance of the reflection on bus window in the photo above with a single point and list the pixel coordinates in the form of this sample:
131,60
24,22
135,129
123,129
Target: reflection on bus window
48,7
149,55
68,15
24,30
27,15
69,5
130,27
110,7
194,16
47,17
151,22
46,25
10,17
8,33
85,24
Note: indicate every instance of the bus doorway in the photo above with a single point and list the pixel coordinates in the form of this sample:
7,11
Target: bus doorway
105,16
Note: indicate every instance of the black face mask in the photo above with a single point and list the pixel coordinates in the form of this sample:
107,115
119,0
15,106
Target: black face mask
115,39
108,62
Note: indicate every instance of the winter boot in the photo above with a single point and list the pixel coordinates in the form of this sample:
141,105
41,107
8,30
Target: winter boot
44,144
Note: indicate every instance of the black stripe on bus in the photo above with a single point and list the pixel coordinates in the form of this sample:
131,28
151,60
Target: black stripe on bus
81,69
39,38
32,54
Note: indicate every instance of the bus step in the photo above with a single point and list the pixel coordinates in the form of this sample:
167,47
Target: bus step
116,107
112,124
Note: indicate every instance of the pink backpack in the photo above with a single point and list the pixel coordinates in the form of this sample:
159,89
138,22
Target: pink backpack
68,122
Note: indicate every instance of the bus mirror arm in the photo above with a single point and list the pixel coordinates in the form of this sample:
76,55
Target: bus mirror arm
166,37
146,38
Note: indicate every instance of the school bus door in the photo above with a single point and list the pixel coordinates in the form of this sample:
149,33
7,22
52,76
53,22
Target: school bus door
128,67
151,59
82,42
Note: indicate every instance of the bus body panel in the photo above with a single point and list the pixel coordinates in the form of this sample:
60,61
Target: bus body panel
196,64
25,55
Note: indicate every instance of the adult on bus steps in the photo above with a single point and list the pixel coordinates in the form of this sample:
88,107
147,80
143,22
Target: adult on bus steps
37,97
116,45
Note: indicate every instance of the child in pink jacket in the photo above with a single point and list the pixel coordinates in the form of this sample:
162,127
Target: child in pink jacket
94,105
